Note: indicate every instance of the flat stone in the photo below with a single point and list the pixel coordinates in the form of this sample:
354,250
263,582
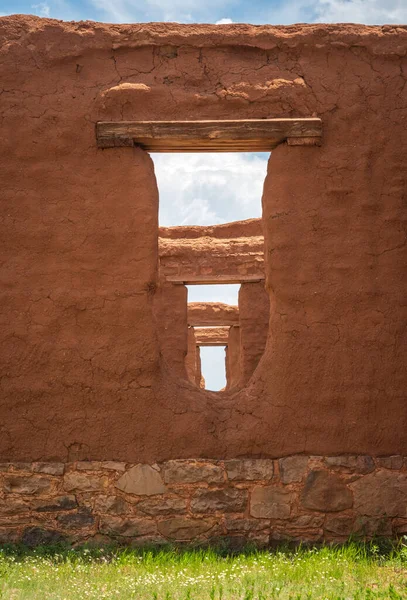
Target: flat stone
340,524
141,480
308,521
13,506
76,520
54,504
50,468
9,535
293,468
249,469
351,464
390,462
29,485
181,529
374,526
147,541
381,493
271,502
111,504
84,482
400,526
260,539
37,536
233,524
325,492
21,466
229,500
126,527
191,471
88,465
14,520
162,506
111,465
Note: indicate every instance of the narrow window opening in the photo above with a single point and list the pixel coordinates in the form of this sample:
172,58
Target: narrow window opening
211,233
212,312
213,367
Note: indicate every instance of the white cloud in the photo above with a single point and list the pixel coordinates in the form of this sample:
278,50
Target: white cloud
42,9
214,293
226,21
369,12
362,11
205,189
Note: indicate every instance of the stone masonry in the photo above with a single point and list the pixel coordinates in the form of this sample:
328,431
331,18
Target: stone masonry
262,501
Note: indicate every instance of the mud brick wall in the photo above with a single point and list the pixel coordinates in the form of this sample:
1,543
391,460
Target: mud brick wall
204,255
233,369
254,316
262,501
81,374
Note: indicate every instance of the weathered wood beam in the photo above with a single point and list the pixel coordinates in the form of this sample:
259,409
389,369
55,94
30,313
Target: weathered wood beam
246,135
214,279
211,336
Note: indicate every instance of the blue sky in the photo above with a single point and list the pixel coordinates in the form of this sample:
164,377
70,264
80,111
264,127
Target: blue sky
212,11
208,189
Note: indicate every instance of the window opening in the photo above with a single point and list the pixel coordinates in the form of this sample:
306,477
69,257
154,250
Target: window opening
213,367
211,233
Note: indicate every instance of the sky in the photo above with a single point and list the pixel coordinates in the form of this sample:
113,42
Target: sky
280,12
203,189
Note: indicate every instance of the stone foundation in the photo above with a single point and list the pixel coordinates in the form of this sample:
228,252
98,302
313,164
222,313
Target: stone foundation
260,501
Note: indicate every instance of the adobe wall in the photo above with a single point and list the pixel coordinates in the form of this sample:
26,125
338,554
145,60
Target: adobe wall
201,314
204,256
235,229
233,369
254,315
82,377
220,250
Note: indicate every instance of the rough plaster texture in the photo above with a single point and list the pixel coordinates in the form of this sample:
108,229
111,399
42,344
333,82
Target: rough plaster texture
81,372
254,314
235,255
236,229
233,372
191,357
201,501
206,314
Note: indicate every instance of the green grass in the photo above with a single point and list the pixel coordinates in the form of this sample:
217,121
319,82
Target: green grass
353,571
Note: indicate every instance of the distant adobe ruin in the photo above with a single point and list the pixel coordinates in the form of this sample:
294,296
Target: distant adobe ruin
106,429
222,253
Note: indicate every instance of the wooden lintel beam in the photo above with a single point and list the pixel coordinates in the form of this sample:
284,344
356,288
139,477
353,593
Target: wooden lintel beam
245,135
214,279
